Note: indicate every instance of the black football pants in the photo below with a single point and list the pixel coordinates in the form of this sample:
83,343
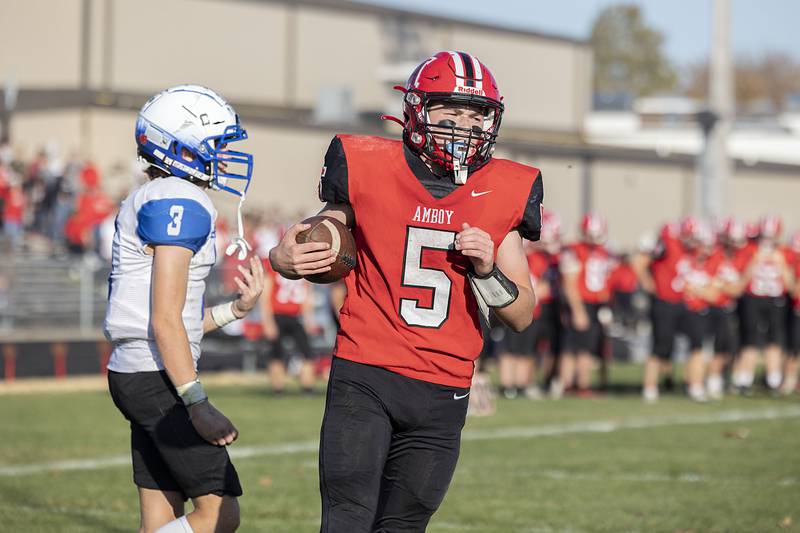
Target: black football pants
388,449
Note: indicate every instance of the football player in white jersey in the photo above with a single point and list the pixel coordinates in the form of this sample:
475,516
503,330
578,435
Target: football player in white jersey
164,247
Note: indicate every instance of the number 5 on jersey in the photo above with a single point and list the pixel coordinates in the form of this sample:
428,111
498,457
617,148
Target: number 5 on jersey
415,275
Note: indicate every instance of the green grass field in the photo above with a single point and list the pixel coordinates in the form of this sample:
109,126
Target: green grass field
605,464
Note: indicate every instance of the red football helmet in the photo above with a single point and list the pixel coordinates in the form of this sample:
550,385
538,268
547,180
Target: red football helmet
770,227
669,231
794,241
690,227
454,78
551,228
734,231
752,230
594,228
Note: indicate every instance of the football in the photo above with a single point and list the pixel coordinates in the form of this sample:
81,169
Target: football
333,232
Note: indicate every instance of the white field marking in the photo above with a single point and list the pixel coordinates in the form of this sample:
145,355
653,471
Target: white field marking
71,511
649,477
474,527
521,432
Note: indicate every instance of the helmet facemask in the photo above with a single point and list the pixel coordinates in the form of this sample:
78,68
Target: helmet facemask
457,149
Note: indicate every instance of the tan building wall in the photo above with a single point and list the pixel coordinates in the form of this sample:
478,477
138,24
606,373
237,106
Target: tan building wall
238,48
40,42
753,194
636,198
275,53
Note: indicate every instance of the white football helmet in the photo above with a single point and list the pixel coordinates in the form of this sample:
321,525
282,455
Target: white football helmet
186,131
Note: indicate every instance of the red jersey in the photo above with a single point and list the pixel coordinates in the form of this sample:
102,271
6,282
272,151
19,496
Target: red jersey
767,275
623,279
796,272
670,262
593,265
541,265
409,308
288,295
699,273
15,205
724,272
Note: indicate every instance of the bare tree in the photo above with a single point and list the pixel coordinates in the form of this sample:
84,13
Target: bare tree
628,53
771,78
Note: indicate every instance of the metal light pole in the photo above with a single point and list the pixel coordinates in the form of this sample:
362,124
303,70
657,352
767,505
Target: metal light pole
721,100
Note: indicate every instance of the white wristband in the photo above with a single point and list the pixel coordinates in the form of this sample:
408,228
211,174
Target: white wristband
223,314
191,393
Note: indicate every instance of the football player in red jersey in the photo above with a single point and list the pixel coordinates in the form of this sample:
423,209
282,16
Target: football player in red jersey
586,268
724,326
517,360
438,224
699,292
790,370
660,272
287,312
762,308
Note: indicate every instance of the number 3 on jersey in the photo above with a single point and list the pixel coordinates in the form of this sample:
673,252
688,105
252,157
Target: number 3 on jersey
174,227
415,275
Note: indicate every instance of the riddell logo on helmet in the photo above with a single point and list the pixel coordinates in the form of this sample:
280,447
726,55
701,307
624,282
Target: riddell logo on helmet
469,90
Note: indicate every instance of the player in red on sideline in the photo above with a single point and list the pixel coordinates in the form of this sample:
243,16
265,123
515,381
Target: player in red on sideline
438,225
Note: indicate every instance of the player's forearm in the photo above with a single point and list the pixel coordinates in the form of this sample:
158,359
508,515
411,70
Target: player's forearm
208,322
221,315
173,345
573,297
518,315
641,266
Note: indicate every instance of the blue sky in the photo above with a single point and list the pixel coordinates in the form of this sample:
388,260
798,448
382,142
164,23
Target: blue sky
757,26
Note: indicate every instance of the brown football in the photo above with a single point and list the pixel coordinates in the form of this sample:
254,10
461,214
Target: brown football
333,232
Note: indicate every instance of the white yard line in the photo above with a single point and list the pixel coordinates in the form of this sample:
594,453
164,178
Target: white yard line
520,432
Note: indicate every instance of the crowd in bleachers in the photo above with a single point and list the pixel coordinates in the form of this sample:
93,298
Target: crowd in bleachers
50,203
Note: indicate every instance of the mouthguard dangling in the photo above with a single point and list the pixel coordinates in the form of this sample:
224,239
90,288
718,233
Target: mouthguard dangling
239,242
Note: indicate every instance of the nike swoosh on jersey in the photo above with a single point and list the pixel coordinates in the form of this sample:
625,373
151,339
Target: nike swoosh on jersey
476,194
456,396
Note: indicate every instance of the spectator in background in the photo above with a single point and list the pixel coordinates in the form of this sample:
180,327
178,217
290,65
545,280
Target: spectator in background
585,268
92,206
5,183
13,215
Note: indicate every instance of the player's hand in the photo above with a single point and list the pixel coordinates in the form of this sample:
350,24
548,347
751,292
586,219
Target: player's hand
580,320
293,260
211,424
478,246
250,286
270,328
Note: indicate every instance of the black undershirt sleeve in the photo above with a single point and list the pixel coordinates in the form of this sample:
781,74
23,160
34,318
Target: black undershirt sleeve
333,186
531,225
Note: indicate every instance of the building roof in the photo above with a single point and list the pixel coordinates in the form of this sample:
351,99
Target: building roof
352,6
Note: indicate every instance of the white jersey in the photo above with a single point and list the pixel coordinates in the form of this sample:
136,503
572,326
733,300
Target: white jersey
166,211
